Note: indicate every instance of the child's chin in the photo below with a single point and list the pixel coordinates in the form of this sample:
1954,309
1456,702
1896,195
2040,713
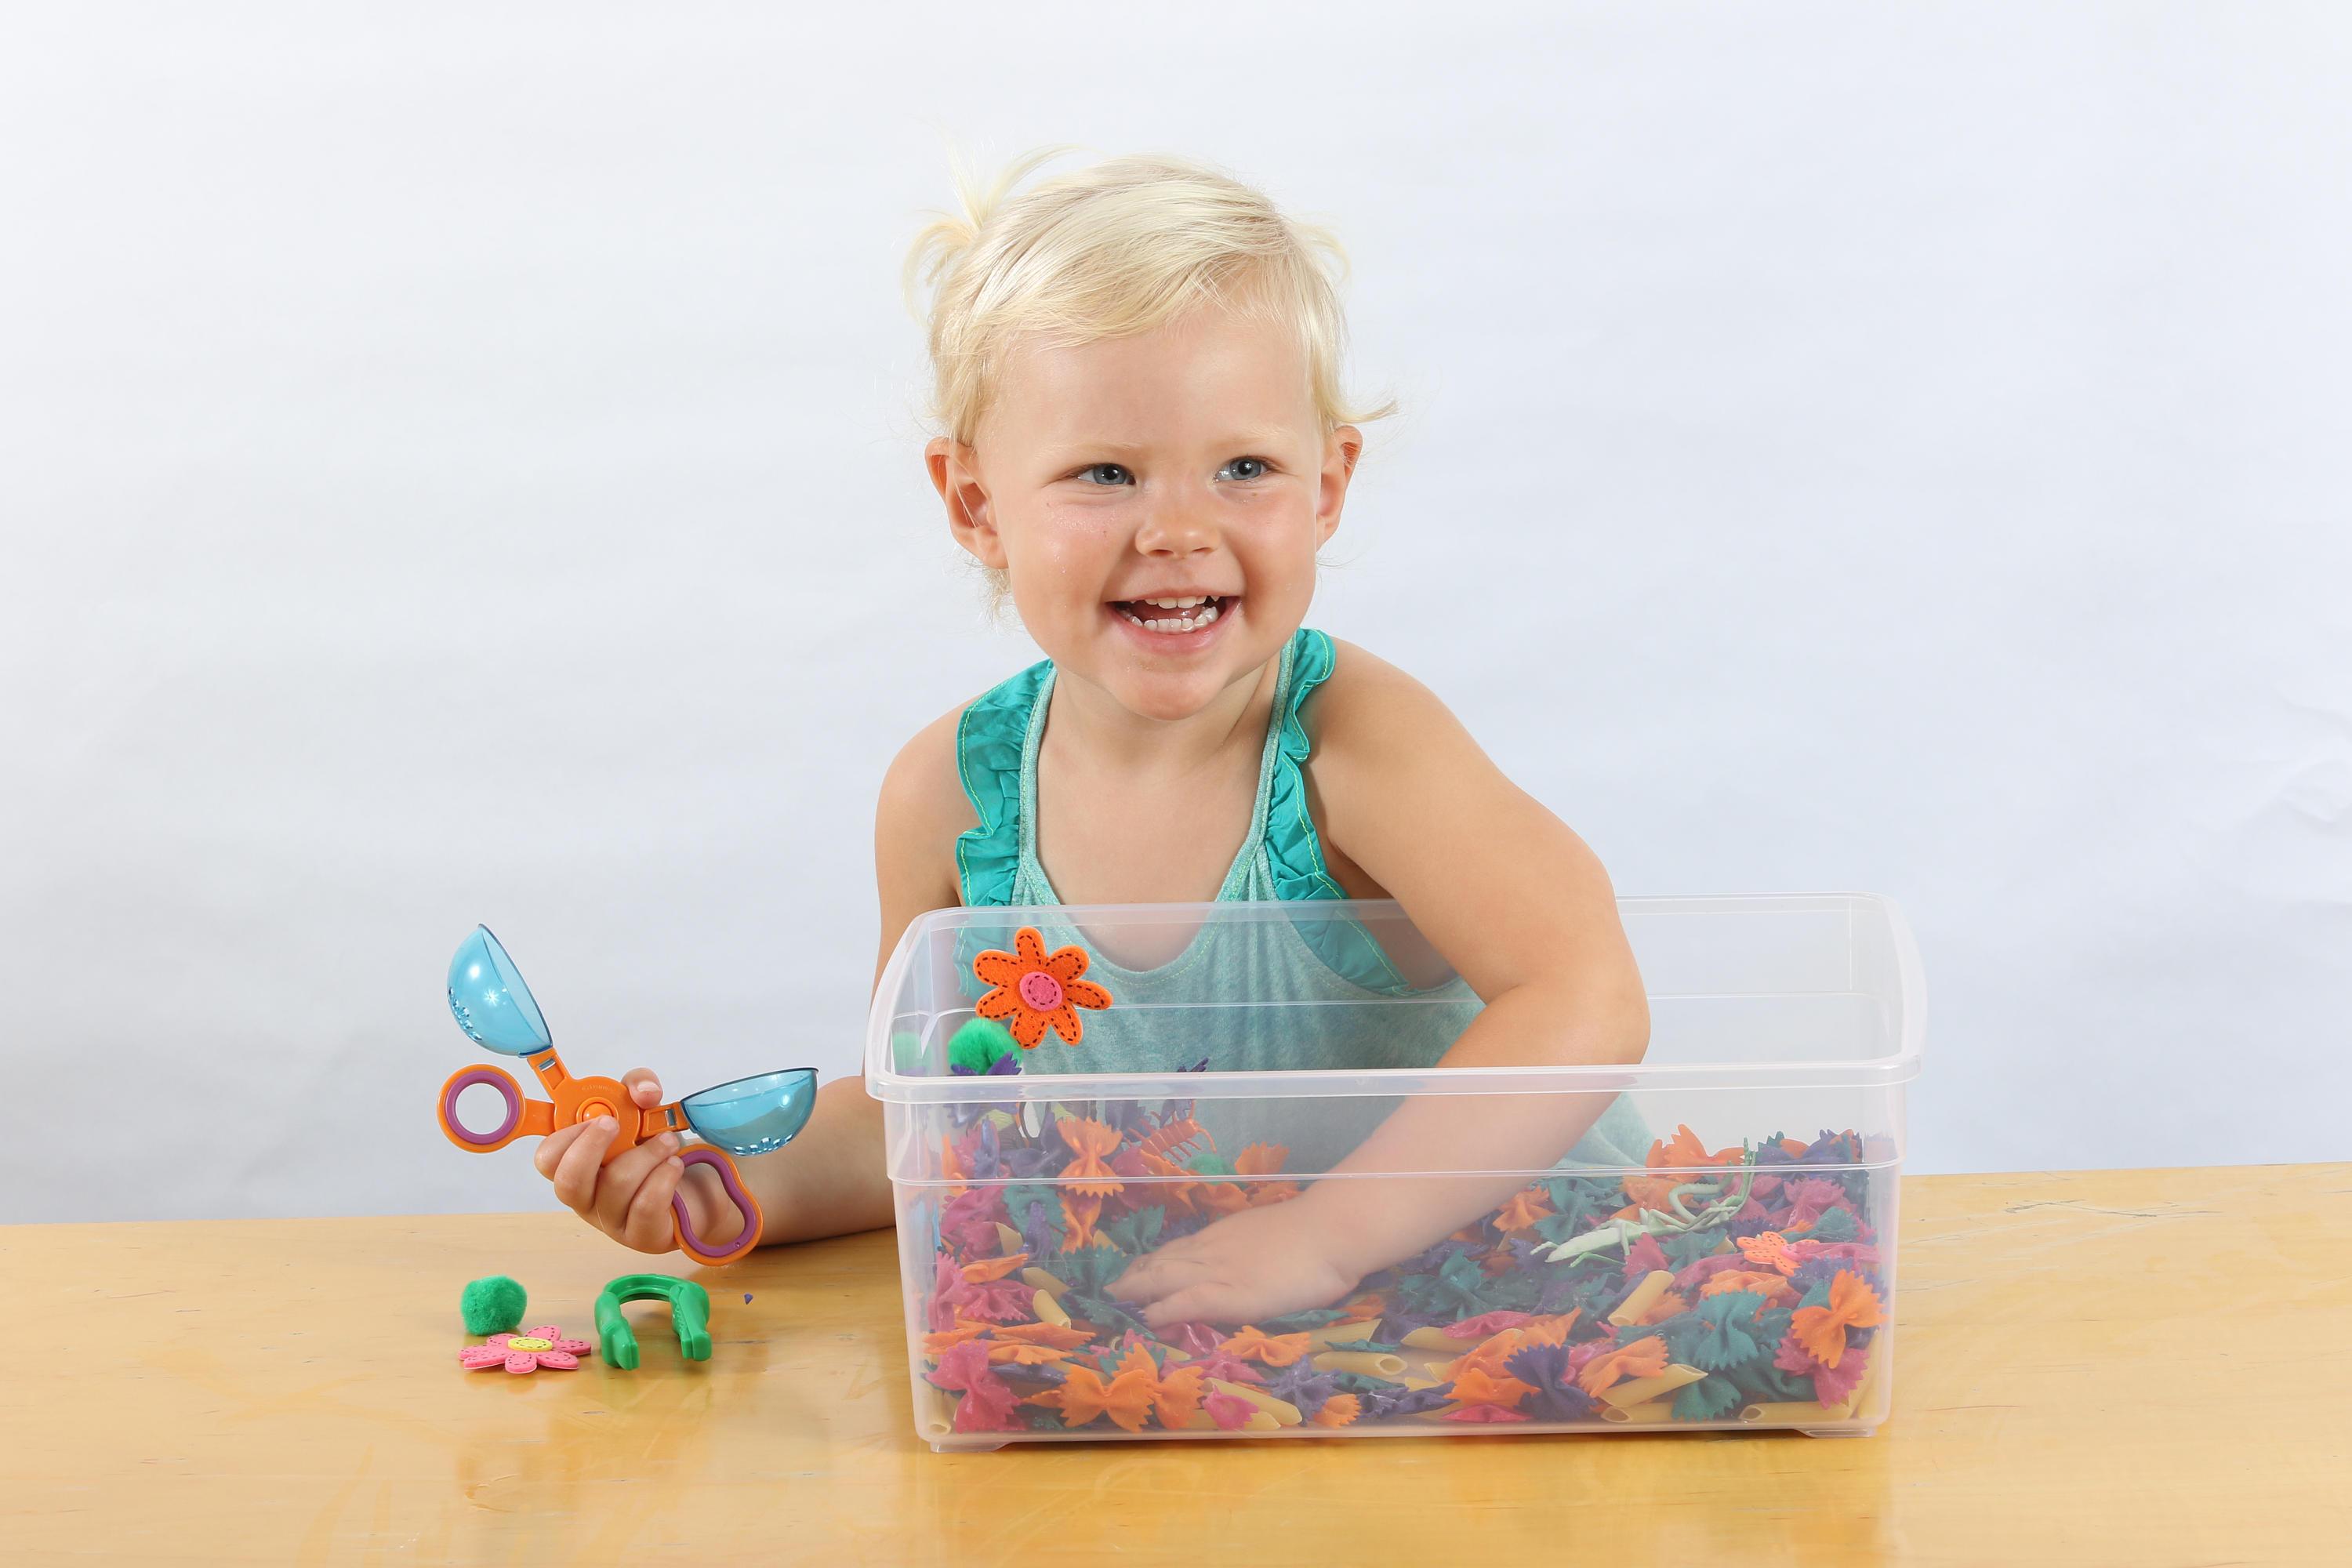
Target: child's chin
1166,694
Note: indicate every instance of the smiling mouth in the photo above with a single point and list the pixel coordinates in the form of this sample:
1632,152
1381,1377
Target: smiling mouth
1187,612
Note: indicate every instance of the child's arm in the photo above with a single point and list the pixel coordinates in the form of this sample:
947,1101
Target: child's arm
1523,910
831,1179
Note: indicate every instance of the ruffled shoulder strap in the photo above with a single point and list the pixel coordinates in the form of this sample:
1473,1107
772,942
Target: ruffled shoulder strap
990,739
1294,853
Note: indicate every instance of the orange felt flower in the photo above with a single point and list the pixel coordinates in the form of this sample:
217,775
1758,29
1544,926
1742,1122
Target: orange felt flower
1821,1330
1089,1175
1053,1334
1642,1358
1254,1344
1082,1395
1476,1386
947,1338
1339,1410
989,1268
1078,1217
1527,1206
1772,1287
1034,991
1769,1249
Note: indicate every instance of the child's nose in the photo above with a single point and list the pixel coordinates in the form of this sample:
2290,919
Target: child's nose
1178,525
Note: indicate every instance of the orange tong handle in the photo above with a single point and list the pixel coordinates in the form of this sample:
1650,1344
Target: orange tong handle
661,1118
524,1118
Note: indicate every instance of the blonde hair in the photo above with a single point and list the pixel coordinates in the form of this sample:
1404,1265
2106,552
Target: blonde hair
1122,246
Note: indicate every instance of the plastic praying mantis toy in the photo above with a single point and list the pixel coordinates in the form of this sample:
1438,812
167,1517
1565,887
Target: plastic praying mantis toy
747,1116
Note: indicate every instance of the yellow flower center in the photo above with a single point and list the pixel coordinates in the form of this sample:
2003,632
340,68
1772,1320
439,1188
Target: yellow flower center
525,1342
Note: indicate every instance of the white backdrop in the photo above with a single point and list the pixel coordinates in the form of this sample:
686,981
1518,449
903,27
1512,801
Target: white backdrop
462,465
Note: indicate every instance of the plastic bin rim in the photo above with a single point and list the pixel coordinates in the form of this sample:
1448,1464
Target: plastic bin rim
885,1083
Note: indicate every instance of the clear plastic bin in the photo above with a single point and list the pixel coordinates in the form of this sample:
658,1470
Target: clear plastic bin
1726,1260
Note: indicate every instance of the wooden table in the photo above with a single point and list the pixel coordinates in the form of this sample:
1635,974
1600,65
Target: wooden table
2141,1368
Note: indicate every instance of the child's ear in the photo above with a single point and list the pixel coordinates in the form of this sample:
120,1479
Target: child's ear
1340,451
955,473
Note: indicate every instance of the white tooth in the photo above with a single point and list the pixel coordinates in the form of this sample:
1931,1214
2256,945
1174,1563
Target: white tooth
1138,620
1208,614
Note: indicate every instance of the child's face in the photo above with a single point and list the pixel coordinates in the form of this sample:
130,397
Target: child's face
1185,463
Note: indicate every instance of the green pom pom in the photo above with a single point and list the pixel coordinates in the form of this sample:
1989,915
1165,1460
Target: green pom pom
491,1306
980,1045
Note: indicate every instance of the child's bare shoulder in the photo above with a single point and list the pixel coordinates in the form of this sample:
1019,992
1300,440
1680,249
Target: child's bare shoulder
923,798
1366,704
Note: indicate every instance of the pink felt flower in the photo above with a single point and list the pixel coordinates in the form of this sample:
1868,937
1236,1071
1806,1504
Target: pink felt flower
526,1351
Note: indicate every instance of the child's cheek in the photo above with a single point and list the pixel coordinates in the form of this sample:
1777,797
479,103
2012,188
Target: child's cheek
1074,549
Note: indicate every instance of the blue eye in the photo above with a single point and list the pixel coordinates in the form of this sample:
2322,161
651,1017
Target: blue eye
1262,468
1089,472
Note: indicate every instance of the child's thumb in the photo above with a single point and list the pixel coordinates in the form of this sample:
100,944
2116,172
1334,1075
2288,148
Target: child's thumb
643,1086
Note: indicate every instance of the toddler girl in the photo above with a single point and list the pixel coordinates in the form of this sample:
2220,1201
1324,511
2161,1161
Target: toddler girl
1136,367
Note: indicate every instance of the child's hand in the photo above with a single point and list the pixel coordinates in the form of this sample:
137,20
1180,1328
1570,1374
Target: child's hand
1259,1263
628,1200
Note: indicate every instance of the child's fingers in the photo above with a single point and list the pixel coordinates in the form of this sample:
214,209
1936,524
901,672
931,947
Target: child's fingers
643,1086
1145,1278
575,1171
716,1218
1157,1273
617,1189
551,1147
1211,1301
649,1225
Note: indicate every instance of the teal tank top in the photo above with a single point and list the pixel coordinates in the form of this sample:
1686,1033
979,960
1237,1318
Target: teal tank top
1328,961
